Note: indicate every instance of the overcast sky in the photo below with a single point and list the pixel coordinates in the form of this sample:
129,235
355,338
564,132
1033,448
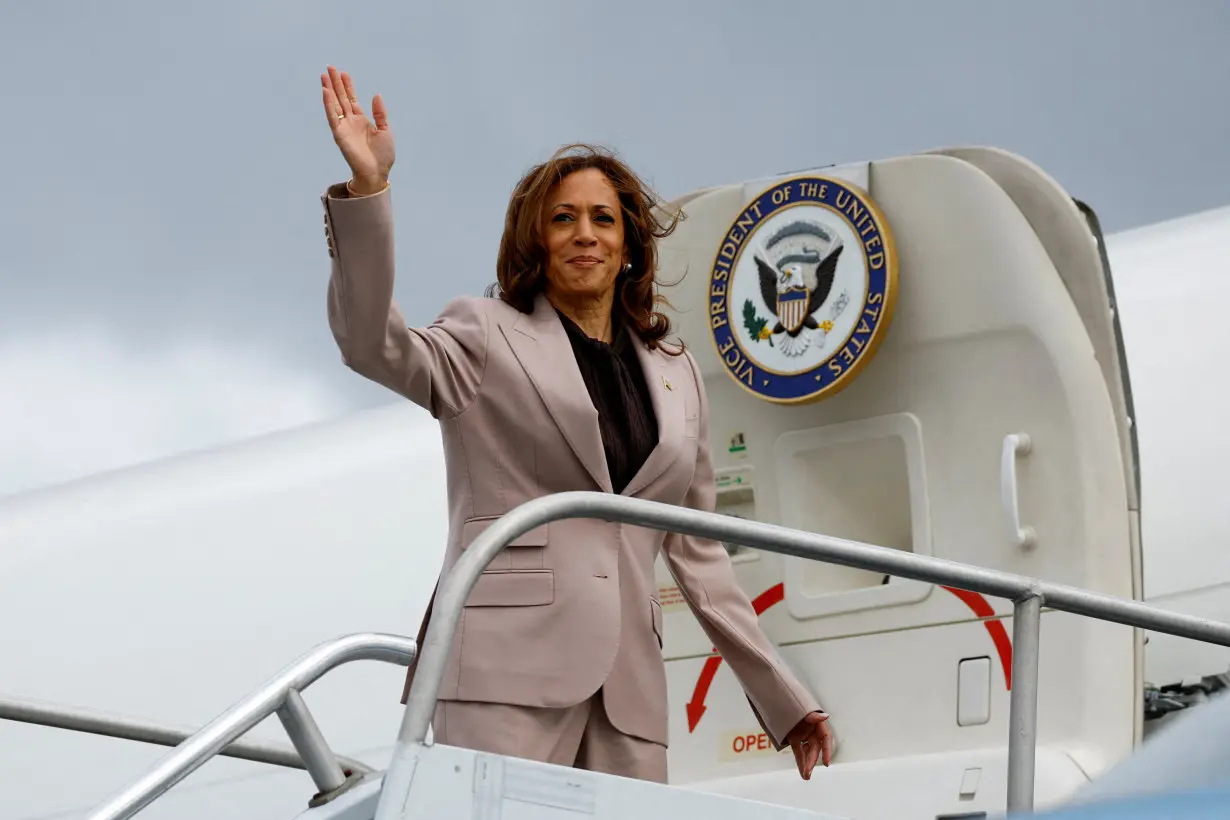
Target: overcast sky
163,277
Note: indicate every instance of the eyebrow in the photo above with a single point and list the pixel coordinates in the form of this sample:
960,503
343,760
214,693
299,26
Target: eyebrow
572,207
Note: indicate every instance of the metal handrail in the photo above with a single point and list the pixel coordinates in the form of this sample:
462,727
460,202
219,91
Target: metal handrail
280,695
1027,595
76,719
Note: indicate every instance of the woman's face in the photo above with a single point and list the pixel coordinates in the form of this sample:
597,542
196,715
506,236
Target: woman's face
583,231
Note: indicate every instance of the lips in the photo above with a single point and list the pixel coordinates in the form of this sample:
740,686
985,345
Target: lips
584,260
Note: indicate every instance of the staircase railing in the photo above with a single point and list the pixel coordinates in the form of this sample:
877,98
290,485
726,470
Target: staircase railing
279,695
1027,595
75,719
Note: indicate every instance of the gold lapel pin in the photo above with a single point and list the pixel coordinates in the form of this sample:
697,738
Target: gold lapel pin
667,383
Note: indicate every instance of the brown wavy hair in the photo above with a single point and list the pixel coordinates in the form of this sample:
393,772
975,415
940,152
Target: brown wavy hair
521,264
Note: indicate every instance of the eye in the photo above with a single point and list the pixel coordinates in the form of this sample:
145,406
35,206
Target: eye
560,217
605,217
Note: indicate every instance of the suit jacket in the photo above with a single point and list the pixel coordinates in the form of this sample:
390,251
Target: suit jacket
569,607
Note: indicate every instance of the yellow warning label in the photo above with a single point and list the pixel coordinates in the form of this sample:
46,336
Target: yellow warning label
671,599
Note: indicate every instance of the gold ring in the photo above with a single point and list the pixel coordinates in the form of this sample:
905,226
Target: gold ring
354,101
341,116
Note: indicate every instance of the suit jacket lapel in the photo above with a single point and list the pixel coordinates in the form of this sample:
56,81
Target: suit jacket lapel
668,407
541,345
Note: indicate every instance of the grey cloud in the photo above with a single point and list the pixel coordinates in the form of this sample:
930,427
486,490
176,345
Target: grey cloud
168,159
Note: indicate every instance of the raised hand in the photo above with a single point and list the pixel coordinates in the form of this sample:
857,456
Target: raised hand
366,146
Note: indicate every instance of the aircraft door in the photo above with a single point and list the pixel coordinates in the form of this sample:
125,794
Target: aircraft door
891,355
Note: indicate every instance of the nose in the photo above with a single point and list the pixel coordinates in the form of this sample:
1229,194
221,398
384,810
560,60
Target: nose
585,232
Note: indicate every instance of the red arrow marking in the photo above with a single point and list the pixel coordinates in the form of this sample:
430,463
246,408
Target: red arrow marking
696,706
776,593
999,635
773,595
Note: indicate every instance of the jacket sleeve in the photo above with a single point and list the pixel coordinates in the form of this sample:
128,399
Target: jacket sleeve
439,367
707,581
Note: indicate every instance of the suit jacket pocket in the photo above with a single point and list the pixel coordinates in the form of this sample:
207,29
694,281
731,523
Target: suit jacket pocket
534,587
526,551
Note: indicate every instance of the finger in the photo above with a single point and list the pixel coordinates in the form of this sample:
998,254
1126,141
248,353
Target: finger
332,110
351,97
798,759
807,757
379,113
828,746
813,752
805,764
331,107
339,90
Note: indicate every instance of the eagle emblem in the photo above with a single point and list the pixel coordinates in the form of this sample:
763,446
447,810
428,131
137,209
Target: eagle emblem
802,287
798,252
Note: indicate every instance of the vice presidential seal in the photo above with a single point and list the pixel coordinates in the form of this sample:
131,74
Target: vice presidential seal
802,289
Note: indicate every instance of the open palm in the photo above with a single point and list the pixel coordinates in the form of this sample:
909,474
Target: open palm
367,146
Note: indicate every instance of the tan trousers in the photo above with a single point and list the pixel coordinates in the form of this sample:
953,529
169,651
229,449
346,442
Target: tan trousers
580,736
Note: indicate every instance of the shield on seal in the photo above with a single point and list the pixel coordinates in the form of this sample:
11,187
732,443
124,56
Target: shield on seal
792,307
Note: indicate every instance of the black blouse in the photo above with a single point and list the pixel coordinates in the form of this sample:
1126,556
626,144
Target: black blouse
616,384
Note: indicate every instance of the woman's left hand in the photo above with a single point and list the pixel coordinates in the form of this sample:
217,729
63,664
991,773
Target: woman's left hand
811,739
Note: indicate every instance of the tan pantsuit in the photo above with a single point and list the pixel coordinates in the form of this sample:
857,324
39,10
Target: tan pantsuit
580,736
569,609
